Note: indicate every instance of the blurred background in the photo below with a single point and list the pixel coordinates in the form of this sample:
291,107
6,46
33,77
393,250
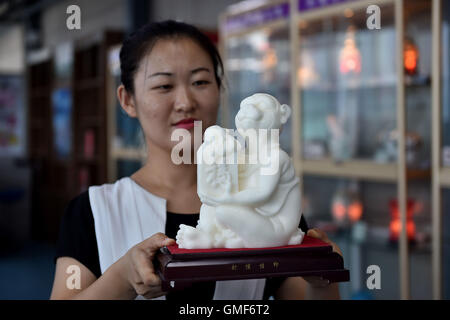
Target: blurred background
369,135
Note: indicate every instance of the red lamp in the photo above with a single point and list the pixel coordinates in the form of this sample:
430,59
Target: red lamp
410,57
350,57
395,226
346,206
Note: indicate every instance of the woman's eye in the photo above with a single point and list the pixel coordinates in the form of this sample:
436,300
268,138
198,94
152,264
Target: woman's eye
164,87
201,82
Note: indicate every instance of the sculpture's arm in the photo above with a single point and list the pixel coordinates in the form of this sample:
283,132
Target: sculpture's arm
253,196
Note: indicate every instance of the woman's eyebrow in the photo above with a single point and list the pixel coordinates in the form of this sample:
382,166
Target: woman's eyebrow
200,69
160,74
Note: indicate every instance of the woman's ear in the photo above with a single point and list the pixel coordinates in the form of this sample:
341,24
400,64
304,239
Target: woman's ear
127,101
285,112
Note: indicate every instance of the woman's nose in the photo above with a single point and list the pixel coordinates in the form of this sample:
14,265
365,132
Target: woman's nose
184,100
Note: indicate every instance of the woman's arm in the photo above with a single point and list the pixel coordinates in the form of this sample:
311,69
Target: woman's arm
131,275
252,196
297,288
109,286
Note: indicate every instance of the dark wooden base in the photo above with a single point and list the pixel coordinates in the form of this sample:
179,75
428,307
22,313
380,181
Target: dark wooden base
179,269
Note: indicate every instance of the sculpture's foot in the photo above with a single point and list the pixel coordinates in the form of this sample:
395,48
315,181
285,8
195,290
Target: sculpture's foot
296,237
234,243
193,238
231,240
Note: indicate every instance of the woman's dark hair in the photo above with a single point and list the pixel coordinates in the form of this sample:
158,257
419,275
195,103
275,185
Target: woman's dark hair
138,43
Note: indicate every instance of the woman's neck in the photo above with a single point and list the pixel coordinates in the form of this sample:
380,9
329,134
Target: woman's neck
161,171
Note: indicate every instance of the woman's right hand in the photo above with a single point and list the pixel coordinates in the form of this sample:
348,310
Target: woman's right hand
136,266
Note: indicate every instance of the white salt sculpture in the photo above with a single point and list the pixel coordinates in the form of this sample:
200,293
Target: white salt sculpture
243,207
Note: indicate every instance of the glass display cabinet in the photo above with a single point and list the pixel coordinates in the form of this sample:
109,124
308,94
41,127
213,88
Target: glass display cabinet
362,113
255,50
441,148
360,135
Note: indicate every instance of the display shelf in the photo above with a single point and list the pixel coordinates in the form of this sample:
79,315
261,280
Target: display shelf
351,85
374,243
383,106
445,177
360,169
125,136
440,107
91,133
129,153
419,174
365,84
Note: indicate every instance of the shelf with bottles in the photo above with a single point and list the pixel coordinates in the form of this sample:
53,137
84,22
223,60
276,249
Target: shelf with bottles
367,212
362,217
362,154
355,84
444,77
373,237
359,169
349,93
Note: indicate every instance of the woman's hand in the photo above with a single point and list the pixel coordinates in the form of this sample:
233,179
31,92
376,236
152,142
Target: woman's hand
319,282
137,270
319,234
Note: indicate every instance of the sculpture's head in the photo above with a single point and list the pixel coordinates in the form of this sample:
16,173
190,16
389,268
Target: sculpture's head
219,142
212,133
262,111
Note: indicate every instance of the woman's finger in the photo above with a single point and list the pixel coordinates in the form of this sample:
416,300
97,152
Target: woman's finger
319,234
155,242
146,271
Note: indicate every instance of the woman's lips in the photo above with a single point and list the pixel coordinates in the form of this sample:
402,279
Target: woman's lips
185,124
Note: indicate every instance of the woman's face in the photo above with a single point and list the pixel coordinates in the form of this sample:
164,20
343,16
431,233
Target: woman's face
175,82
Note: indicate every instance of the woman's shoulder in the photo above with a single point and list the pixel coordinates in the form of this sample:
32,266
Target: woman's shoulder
82,202
111,192
78,210
122,183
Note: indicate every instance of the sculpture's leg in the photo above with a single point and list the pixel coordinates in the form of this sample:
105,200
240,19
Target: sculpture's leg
207,221
254,229
230,239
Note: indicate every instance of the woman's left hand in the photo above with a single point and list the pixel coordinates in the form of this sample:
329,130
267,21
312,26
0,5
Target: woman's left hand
319,234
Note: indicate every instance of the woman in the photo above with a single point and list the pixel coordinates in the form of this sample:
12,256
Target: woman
171,76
